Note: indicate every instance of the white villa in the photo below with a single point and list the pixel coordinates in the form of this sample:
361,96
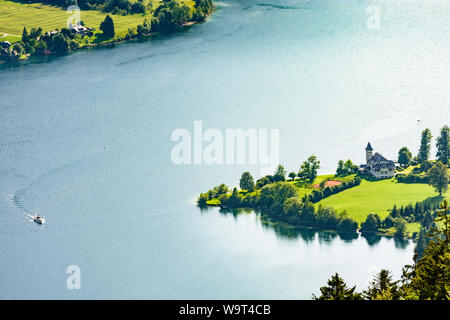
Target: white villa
377,166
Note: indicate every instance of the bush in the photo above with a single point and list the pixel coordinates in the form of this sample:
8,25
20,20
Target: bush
400,225
371,224
170,15
274,195
347,225
317,195
424,167
327,217
144,28
235,200
388,222
263,181
137,7
202,199
412,178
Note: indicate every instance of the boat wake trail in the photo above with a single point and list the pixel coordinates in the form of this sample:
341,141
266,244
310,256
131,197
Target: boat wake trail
52,183
15,199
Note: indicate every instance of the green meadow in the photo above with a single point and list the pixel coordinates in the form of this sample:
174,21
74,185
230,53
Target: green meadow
15,16
379,197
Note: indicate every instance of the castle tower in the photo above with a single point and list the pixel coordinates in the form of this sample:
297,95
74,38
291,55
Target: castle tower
369,150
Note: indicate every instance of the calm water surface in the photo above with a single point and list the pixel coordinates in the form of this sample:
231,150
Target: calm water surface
126,215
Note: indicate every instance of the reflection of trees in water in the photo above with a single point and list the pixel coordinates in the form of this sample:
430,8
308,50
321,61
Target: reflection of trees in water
371,238
348,236
205,209
286,231
234,212
401,243
326,236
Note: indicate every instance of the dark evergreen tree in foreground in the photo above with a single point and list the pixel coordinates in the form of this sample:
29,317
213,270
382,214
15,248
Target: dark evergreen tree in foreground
425,142
427,279
25,36
382,287
107,26
337,289
443,145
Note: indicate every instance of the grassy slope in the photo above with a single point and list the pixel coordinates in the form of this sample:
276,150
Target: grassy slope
379,197
371,197
15,16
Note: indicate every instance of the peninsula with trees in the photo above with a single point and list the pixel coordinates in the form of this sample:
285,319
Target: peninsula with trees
396,198
101,22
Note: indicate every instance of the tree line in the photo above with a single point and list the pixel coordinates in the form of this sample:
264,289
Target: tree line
166,18
442,145
279,200
427,279
325,192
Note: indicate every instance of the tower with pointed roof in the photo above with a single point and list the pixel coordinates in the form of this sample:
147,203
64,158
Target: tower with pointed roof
376,165
369,150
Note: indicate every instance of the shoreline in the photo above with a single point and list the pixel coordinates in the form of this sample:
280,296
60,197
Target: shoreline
271,221
353,222
98,45
106,43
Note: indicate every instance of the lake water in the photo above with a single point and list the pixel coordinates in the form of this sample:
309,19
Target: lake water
126,214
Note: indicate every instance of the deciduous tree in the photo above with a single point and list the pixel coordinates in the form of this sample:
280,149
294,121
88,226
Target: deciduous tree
438,177
247,182
404,156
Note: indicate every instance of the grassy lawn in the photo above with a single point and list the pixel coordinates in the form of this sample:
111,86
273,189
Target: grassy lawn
379,197
10,38
408,170
15,16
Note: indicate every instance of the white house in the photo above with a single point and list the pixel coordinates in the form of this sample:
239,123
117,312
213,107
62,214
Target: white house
377,166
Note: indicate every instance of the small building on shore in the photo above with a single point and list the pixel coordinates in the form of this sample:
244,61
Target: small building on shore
376,165
5,44
80,29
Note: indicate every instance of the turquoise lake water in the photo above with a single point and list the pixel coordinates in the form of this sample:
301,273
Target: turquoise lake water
126,215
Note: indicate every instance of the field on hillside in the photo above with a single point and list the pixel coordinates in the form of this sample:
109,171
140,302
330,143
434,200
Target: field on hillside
15,16
379,197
